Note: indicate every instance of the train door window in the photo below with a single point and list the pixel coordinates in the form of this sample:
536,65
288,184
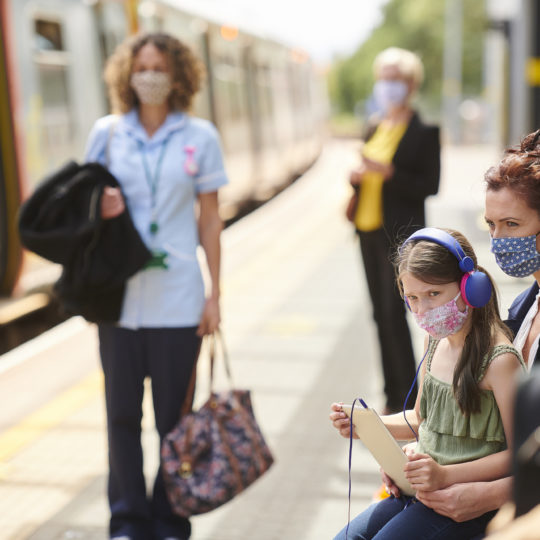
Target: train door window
50,110
48,35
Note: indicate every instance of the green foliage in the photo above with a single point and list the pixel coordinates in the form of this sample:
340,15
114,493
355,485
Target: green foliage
417,25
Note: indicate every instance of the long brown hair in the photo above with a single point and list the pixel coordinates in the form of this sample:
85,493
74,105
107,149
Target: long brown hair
433,263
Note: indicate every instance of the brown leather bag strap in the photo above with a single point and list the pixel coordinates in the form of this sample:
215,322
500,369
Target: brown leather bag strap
190,394
210,341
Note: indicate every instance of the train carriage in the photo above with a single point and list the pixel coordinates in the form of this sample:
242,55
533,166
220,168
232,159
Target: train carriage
259,94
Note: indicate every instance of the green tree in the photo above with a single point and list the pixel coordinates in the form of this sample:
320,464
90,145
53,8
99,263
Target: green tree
418,26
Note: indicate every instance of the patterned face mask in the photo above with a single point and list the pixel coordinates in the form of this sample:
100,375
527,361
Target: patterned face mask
444,320
516,256
151,87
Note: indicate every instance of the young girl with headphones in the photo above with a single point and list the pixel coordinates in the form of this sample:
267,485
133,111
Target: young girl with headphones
463,413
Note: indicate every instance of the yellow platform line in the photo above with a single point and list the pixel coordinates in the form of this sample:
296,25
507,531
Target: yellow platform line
50,415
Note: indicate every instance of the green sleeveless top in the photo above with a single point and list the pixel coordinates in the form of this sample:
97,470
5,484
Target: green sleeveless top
446,434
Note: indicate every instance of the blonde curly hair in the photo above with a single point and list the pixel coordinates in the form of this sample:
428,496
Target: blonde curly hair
187,72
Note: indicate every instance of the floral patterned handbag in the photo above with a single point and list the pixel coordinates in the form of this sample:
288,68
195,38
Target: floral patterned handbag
216,452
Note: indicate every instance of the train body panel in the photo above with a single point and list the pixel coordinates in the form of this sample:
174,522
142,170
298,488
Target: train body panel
257,93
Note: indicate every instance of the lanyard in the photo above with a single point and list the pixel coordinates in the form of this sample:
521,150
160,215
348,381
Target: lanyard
153,181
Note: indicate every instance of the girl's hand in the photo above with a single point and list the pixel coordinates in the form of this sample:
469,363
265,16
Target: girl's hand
424,473
210,318
341,421
391,488
410,448
112,202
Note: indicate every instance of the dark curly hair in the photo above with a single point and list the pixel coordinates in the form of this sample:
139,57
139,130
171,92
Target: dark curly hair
187,71
519,170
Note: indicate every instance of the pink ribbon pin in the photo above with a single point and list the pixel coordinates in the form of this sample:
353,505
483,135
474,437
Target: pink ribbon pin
190,165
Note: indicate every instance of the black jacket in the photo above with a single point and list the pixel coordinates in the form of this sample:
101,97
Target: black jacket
417,165
61,222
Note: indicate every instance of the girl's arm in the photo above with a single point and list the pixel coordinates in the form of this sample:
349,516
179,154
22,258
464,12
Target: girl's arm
210,226
427,475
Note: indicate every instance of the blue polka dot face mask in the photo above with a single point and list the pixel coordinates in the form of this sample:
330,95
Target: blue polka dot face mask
516,256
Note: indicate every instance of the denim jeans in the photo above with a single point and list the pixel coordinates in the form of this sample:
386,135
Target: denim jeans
394,519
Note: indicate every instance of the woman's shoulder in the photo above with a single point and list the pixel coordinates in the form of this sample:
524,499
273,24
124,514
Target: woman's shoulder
418,123
103,124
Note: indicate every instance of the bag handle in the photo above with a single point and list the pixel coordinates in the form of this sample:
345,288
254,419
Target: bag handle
211,340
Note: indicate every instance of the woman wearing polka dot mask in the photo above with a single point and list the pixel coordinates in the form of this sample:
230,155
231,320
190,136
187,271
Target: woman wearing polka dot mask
513,217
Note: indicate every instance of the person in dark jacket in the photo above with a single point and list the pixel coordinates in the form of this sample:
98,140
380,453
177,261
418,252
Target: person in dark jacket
399,168
513,217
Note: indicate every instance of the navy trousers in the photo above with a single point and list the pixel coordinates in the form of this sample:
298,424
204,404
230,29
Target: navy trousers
389,313
167,356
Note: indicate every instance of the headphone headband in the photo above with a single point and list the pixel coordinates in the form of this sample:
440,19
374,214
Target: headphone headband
446,240
475,286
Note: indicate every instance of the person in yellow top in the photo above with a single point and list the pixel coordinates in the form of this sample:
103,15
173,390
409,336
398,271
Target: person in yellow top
399,168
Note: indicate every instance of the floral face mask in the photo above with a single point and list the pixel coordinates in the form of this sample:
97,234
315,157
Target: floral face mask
443,320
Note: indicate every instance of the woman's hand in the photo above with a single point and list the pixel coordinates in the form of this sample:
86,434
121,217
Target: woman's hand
424,473
460,502
210,318
341,421
386,169
357,175
112,202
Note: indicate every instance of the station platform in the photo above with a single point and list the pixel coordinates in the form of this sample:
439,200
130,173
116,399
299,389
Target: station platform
297,321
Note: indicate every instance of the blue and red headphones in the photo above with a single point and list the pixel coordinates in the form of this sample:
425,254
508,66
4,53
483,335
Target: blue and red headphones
475,286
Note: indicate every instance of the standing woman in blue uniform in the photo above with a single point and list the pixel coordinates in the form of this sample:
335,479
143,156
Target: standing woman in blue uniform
399,168
169,166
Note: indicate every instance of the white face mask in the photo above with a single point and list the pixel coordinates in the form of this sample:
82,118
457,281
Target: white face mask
390,93
151,87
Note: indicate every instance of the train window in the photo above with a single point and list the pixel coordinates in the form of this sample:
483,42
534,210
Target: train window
48,35
50,114
111,21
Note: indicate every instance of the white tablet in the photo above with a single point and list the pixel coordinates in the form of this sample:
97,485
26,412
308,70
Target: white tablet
379,441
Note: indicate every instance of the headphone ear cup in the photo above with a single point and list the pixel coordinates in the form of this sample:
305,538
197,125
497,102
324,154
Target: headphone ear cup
476,289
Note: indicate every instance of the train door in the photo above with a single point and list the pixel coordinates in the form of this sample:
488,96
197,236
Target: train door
10,250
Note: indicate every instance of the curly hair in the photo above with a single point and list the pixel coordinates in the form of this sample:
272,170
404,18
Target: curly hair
519,170
187,71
